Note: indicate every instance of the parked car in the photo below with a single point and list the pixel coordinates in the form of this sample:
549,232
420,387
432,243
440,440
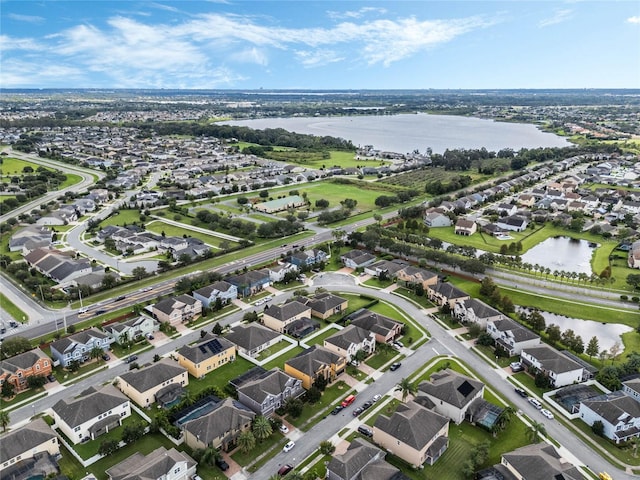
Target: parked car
222,465
337,410
106,357
358,411
284,470
516,367
51,378
547,413
521,392
150,337
364,430
13,324
398,345
284,429
367,404
131,358
289,446
395,366
376,398
535,403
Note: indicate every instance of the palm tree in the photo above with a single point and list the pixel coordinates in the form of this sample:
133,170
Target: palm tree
536,431
505,417
406,387
246,441
210,455
261,428
4,420
96,353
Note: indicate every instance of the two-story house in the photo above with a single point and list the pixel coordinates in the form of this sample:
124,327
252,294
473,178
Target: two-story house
131,330
161,382
269,391
180,309
473,310
79,345
511,336
618,412
17,369
414,433
307,258
362,461
250,282
357,259
220,428
533,462
159,464
284,318
444,293
206,355
315,362
95,412
252,338
436,219
29,451
325,304
222,290
350,340
411,276
385,329
560,369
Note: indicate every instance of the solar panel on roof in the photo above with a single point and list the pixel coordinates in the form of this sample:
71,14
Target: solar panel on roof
465,388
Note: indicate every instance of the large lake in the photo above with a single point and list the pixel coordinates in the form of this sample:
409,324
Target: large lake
408,132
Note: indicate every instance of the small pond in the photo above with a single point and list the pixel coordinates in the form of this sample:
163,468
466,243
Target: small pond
607,333
562,254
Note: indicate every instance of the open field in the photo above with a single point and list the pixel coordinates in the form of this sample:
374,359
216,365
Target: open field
336,192
13,166
419,178
121,218
158,227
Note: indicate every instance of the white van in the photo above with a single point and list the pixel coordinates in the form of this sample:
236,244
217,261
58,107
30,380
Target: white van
535,403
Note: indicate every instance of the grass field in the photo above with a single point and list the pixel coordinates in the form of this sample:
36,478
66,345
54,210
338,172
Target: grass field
419,178
336,192
12,166
122,218
157,226
9,307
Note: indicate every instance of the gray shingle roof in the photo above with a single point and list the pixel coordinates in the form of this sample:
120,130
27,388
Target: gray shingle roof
349,336
552,360
24,439
312,359
374,322
22,361
251,336
155,465
412,424
359,454
614,407
273,382
81,338
227,417
90,404
153,375
287,310
451,387
541,462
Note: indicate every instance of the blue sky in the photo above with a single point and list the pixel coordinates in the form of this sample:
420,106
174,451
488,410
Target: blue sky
320,44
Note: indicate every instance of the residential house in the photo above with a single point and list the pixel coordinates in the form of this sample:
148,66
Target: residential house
95,412
161,382
220,428
506,209
59,266
385,267
18,369
79,345
412,276
159,464
130,330
29,451
222,290
618,412
250,282
29,238
362,461
560,368
269,392
325,304
350,340
436,220
206,355
526,200
307,258
511,336
277,273
280,204
252,338
280,317
385,329
632,388
451,393
473,310
465,227
537,461
175,310
414,433
633,258
357,259
444,293
314,362
513,223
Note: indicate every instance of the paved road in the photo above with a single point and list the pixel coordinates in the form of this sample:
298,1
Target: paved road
441,343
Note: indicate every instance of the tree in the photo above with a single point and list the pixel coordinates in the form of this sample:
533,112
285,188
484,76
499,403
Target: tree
293,406
535,431
7,390
593,347
554,332
4,419
96,353
485,339
537,322
406,387
633,279
107,447
261,428
327,448
209,456
73,366
36,381
321,383
246,441
13,346
132,433
250,317
313,395
139,273
108,281
614,351
598,428
217,329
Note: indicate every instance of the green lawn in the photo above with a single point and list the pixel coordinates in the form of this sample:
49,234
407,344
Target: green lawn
9,307
72,179
364,193
319,339
122,217
69,466
423,301
157,226
327,402
376,283
273,349
380,358
279,361
276,441
220,376
13,166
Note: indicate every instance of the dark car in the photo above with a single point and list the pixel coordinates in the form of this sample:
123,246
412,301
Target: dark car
364,430
357,411
131,358
51,378
13,324
337,410
106,357
367,404
521,392
395,366
121,297
222,465
285,469
100,312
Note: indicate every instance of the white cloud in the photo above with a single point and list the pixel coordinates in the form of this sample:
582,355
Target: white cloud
252,55
317,58
11,43
559,16
25,18
355,13
635,20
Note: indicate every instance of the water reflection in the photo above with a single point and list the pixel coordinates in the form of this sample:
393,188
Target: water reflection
562,254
